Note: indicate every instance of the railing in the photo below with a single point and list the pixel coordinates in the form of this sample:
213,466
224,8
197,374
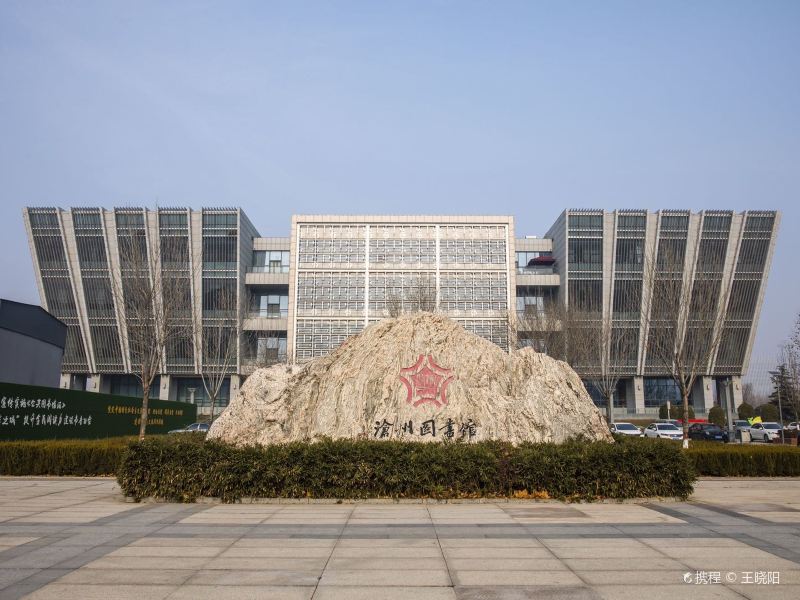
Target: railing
549,270
268,269
267,313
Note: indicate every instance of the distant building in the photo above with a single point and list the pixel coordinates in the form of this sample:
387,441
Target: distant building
31,344
305,294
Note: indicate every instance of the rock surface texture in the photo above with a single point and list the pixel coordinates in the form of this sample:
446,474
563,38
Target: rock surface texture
419,377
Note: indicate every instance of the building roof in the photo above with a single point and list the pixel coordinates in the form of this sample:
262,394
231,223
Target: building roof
33,321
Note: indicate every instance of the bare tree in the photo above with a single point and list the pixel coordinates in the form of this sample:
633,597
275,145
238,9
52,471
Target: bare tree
419,295
154,304
600,349
221,325
685,320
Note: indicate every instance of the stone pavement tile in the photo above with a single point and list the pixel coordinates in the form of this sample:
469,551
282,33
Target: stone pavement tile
539,592
488,553
636,577
348,564
713,563
255,577
267,563
7,541
589,542
43,557
505,564
394,593
526,542
128,576
61,591
268,542
276,552
9,576
611,563
387,543
385,578
724,552
696,542
767,592
605,552
183,541
146,562
515,578
242,592
167,551
384,552
666,592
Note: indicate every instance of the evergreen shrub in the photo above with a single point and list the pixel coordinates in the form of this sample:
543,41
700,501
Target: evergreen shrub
181,469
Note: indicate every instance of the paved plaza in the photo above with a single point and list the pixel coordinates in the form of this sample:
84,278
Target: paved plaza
77,538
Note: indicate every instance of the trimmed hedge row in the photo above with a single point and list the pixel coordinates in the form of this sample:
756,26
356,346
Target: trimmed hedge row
63,457
747,460
181,469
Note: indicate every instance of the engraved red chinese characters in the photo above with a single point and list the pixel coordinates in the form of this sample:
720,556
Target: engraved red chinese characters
426,381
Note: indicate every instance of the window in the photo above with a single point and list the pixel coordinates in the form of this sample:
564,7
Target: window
585,255
671,254
744,296
630,254
627,298
219,297
99,299
270,261
269,305
192,388
91,251
586,222
130,385
752,256
265,348
711,255
586,295
219,253
660,390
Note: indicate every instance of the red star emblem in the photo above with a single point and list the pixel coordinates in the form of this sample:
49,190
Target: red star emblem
426,381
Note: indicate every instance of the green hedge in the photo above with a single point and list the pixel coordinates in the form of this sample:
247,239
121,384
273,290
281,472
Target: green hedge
747,460
62,457
181,469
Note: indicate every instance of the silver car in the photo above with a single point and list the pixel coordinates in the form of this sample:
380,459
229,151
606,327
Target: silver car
626,429
665,431
766,432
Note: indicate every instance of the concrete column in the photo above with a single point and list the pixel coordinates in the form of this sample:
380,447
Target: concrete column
638,394
164,387
736,388
66,379
234,387
93,383
703,395
709,385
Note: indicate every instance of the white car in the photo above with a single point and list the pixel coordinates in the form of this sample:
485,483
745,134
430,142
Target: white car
666,431
793,426
626,429
766,432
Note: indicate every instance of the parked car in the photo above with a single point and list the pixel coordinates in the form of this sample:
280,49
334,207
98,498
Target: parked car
766,432
707,432
193,428
793,426
626,429
666,431
741,425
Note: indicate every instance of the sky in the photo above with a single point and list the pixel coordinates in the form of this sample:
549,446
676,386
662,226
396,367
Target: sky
437,107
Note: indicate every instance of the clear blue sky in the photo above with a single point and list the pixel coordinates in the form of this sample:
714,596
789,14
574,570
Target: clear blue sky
520,108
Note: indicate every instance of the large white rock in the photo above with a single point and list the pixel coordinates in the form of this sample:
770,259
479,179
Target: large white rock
418,377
